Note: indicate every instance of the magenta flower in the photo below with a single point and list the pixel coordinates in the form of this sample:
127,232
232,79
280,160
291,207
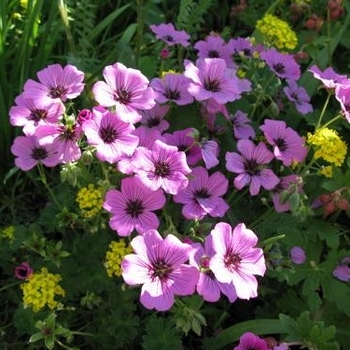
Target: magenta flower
170,35
203,194
342,271
111,136
159,265
208,286
172,87
329,77
29,152
251,166
249,341
212,79
155,117
214,46
55,82
126,89
84,115
282,64
30,113
342,94
184,141
298,95
161,167
243,47
236,259
23,271
297,255
241,126
132,207
288,146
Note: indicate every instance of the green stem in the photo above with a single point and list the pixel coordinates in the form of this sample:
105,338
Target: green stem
332,120
139,32
9,286
323,111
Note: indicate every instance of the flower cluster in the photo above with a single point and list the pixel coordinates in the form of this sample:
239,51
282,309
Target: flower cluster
89,200
40,290
114,257
8,232
277,32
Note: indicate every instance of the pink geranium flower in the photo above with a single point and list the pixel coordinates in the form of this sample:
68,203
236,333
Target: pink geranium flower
208,286
251,166
171,36
163,166
126,89
23,271
236,259
242,128
172,87
329,77
210,153
111,136
132,207
250,341
203,194
154,118
298,95
211,78
29,152
55,82
159,266
288,146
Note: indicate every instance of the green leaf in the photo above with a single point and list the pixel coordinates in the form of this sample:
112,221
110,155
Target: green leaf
35,337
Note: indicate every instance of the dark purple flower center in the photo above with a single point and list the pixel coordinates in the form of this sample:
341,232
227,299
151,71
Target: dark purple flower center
39,153
108,134
251,167
168,38
202,193
123,96
153,122
295,97
161,270
212,85
213,54
281,144
279,68
22,272
204,262
172,94
68,133
232,260
162,169
247,52
38,114
134,208
57,92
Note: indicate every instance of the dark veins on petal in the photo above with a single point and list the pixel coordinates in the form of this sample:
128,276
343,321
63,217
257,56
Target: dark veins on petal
108,134
134,208
162,169
39,153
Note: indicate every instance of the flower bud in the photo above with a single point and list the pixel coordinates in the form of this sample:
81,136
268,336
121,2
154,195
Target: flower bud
297,255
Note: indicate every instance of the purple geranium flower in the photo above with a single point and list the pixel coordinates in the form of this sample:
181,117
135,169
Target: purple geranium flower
342,94
159,265
249,341
212,79
29,152
172,87
214,46
170,35
30,113
208,286
23,271
55,82
250,165
210,153
342,271
184,141
298,95
329,77
236,259
241,126
111,136
163,166
297,255
282,64
288,146
155,117
132,207
126,89
203,194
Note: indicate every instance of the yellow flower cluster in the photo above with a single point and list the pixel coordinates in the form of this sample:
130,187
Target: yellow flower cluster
277,32
328,146
89,200
115,256
40,290
8,233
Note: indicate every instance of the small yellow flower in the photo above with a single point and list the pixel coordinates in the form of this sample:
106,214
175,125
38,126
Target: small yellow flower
277,32
165,72
115,256
8,232
326,171
328,146
40,289
89,200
